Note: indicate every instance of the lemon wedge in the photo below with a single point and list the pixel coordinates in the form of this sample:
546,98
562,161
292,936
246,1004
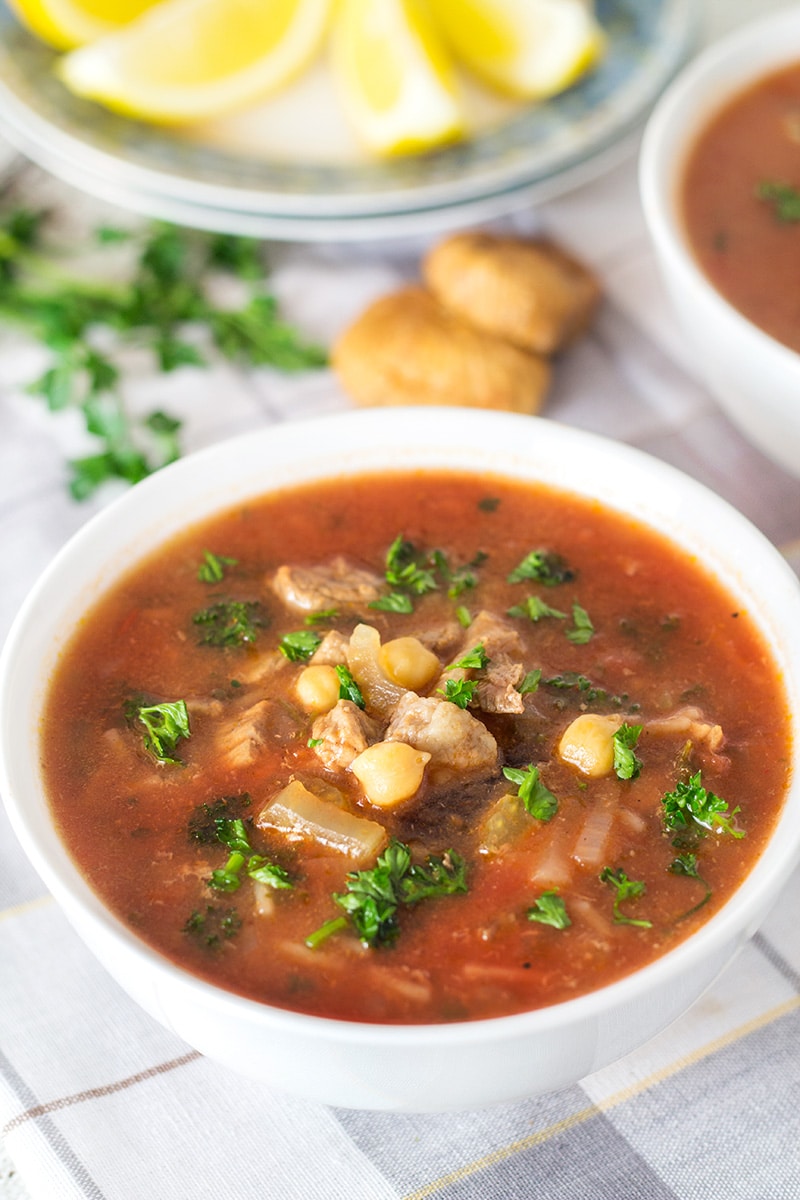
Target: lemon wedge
68,23
530,49
189,60
394,76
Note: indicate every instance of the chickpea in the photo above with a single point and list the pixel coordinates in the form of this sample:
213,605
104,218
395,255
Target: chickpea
390,772
407,662
317,688
588,744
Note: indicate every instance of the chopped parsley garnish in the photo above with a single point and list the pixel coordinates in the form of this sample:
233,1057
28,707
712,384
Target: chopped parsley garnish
397,602
373,897
203,821
686,865
324,614
463,616
530,683
230,622
549,909
538,799
626,763
458,579
231,831
588,691
411,573
475,660
165,724
535,609
626,889
691,804
348,688
489,504
213,925
406,570
313,742
582,628
299,646
544,566
784,198
212,568
459,691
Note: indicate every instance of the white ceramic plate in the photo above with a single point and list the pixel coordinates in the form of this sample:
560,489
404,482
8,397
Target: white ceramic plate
289,170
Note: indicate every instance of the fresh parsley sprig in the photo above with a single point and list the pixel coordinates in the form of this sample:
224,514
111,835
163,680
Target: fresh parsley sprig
538,799
686,865
625,889
690,804
164,726
550,909
373,897
167,290
626,764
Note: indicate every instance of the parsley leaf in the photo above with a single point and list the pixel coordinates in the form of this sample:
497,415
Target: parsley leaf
212,568
543,565
582,628
230,622
549,909
203,821
299,646
374,896
530,683
538,799
626,889
626,764
166,287
535,609
165,724
443,875
397,602
213,925
459,691
784,199
233,834
686,865
691,804
348,688
475,660
406,570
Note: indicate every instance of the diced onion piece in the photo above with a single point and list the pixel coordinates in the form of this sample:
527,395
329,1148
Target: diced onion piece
405,661
588,744
591,843
301,816
317,688
263,899
380,694
552,868
390,772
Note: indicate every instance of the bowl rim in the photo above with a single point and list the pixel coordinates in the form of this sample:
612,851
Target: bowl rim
731,64
734,922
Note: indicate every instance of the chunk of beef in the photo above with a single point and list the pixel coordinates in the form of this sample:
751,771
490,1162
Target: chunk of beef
337,584
241,738
497,683
344,733
331,650
454,738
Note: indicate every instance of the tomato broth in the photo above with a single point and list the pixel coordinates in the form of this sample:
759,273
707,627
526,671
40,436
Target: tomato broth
741,203
532,861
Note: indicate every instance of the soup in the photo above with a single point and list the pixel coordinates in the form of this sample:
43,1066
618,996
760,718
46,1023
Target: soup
741,203
421,747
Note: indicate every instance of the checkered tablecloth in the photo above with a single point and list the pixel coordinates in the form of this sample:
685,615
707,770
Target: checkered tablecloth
97,1102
